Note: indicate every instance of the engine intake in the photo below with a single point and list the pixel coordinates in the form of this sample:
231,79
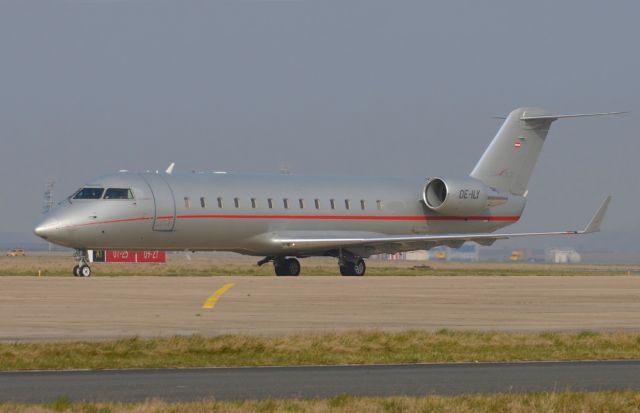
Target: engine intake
461,196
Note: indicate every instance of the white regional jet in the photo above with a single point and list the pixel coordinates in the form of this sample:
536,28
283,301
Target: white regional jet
285,217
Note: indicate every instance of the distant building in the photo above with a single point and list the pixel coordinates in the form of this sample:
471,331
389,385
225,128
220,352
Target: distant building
398,256
417,255
563,256
466,253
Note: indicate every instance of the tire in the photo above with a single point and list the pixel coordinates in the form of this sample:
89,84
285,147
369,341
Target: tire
357,268
281,269
346,270
85,271
76,271
287,267
293,267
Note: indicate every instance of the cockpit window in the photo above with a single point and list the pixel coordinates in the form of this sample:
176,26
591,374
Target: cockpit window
118,193
89,193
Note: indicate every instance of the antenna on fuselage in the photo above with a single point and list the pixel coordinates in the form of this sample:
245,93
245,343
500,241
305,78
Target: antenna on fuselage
170,168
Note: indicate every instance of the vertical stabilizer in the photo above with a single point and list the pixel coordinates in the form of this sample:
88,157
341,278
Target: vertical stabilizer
509,160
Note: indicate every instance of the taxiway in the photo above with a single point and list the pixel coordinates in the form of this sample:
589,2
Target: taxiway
61,308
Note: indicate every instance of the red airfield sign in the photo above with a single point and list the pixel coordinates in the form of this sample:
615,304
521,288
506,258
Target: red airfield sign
131,256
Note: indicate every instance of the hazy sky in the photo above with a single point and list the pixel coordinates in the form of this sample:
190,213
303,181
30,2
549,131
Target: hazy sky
324,87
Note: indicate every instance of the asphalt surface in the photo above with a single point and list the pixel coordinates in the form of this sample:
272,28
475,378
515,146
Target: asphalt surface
317,382
102,308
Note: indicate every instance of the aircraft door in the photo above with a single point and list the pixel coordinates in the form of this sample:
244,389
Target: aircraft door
165,205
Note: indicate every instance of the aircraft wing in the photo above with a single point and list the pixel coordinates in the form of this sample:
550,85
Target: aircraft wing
409,242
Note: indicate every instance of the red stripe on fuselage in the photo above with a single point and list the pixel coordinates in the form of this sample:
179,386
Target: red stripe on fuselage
353,217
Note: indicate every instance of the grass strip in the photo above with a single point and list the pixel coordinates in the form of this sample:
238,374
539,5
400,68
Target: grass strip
357,347
177,266
623,401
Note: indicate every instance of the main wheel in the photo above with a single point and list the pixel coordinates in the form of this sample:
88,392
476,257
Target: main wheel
357,268
289,266
85,271
346,269
76,271
293,266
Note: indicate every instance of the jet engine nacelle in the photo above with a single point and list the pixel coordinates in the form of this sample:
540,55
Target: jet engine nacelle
461,196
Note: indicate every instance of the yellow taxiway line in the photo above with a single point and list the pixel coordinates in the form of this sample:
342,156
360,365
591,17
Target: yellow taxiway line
211,301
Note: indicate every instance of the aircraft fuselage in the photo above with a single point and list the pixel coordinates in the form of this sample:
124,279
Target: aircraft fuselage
228,212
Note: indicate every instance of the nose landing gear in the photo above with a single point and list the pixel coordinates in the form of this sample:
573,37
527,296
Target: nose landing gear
82,269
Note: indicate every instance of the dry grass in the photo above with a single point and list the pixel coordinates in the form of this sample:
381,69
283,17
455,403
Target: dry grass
360,347
216,265
565,402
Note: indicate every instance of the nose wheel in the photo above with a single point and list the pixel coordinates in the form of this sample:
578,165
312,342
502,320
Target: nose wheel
82,269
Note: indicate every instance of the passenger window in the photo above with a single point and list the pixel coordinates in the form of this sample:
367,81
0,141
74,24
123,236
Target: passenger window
347,204
332,203
89,193
379,205
301,201
203,202
363,204
253,203
317,203
118,193
187,202
285,202
220,205
270,203
236,202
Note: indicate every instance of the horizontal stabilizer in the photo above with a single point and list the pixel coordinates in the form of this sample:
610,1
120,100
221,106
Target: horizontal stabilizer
556,117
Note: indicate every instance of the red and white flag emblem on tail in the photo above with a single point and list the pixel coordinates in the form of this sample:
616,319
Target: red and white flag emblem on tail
517,144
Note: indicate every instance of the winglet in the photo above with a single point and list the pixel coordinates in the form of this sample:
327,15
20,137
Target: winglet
596,221
170,168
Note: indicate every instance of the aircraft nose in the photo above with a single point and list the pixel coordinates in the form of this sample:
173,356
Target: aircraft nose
46,228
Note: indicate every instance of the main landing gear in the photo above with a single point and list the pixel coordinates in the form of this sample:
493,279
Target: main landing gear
283,266
352,266
287,266
81,269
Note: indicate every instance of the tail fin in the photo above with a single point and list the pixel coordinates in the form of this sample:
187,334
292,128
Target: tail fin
509,160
